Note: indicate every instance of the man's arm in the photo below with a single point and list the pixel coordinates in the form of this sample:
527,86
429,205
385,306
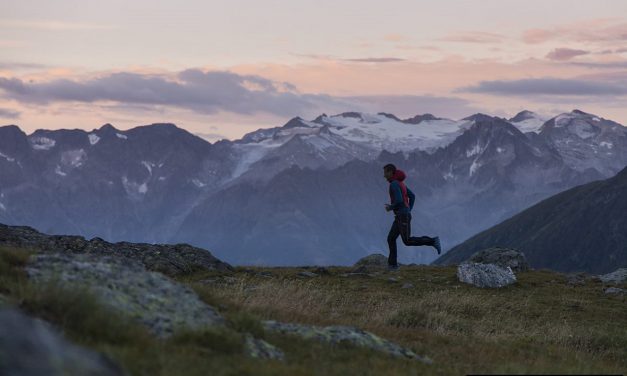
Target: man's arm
412,198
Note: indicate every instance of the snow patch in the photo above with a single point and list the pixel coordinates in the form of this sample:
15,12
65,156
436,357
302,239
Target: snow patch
251,153
93,138
148,166
473,167
606,144
73,158
499,150
133,188
529,125
58,171
42,143
7,157
122,136
198,183
562,120
596,119
582,129
381,132
477,149
161,178
3,207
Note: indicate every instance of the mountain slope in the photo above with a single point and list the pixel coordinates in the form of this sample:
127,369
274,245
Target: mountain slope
581,229
586,141
320,179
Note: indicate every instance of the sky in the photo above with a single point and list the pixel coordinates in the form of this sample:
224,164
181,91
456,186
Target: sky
222,69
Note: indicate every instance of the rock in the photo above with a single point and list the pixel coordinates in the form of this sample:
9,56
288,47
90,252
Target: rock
616,277
485,275
615,291
155,301
361,270
31,347
260,349
577,279
344,334
375,260
407,286
322,271
393,279
503,257
307,274
171,260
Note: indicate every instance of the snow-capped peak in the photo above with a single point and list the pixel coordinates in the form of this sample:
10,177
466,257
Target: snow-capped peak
528,121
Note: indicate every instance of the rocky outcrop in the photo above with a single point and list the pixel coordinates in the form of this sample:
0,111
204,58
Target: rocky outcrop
170,260
503,257
374,260
373,263
31,347
616,277
485,275
615,291
260,349
344,334
160,304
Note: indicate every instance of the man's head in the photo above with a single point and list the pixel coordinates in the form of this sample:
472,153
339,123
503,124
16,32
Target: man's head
388,171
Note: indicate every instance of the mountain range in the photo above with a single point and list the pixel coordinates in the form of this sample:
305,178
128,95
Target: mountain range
302,193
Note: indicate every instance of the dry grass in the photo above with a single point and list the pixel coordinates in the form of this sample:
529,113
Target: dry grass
539,325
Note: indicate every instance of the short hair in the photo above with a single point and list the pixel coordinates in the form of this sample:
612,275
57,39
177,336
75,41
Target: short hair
389,167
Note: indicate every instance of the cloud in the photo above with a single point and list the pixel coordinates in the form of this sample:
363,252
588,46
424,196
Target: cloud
52,25
375,60
548,86
410,105
600,30
394,38
602,65
563,54
18,65
201,91
8,114
474,37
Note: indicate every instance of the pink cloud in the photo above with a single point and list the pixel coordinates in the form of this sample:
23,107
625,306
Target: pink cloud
394,38
598,30
474,37
563,54
534,36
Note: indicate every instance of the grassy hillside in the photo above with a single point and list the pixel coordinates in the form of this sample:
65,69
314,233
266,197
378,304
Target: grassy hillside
539,325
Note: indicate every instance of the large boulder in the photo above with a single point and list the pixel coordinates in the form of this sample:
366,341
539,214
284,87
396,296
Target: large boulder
169,259
617,277
162,305
31,347
485,275
343,334
503,257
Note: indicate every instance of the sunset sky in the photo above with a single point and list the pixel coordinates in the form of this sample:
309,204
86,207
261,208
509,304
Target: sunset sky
225,68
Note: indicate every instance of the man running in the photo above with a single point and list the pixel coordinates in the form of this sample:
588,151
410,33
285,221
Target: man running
402,202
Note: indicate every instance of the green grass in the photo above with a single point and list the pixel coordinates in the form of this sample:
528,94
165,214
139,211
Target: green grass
539,325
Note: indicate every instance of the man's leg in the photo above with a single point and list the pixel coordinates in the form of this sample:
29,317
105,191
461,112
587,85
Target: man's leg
392,236
405,232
